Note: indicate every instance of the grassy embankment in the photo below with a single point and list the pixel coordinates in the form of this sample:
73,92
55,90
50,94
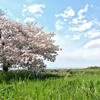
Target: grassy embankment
80,84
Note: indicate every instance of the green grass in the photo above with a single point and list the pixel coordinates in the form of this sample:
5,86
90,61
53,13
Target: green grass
57,85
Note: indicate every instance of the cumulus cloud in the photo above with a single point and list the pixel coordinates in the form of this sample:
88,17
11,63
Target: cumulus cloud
36,9
92,34
76,37
79,21
59,24
75,21
81,11
29,19
83,27
92,44
81,24
69,12
80,18
67,36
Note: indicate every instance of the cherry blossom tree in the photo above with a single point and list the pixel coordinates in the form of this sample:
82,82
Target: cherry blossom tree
25,45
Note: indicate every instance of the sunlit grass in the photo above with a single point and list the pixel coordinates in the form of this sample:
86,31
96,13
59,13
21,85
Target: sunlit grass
76,86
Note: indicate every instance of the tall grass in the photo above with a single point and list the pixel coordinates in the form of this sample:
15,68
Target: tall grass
81,86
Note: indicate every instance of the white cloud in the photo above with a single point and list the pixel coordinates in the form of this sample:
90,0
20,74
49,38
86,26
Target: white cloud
91,6
92,33
92,44
67,36
82,56
84,21
17,20
24,6
24,9
73,56
76,37
85,26
75,21
36,9
29,19
81,11
97,23
37,15
80,17
78,21
69,12
59,24
65,20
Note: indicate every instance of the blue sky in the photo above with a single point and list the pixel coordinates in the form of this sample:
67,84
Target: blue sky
76,24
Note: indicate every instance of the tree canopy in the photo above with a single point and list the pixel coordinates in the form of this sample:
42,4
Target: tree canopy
25,44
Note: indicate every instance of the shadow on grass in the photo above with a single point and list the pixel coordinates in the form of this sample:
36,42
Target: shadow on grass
10,76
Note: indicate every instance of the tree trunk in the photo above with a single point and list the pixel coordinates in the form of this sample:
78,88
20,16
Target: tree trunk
5,67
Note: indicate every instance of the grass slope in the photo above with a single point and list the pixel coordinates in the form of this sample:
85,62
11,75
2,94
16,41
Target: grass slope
57,85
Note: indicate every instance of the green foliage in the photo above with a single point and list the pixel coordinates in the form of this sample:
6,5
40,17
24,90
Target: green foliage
73,85
15,76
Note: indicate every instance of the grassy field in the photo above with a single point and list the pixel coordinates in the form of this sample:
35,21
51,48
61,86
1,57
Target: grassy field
80,84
